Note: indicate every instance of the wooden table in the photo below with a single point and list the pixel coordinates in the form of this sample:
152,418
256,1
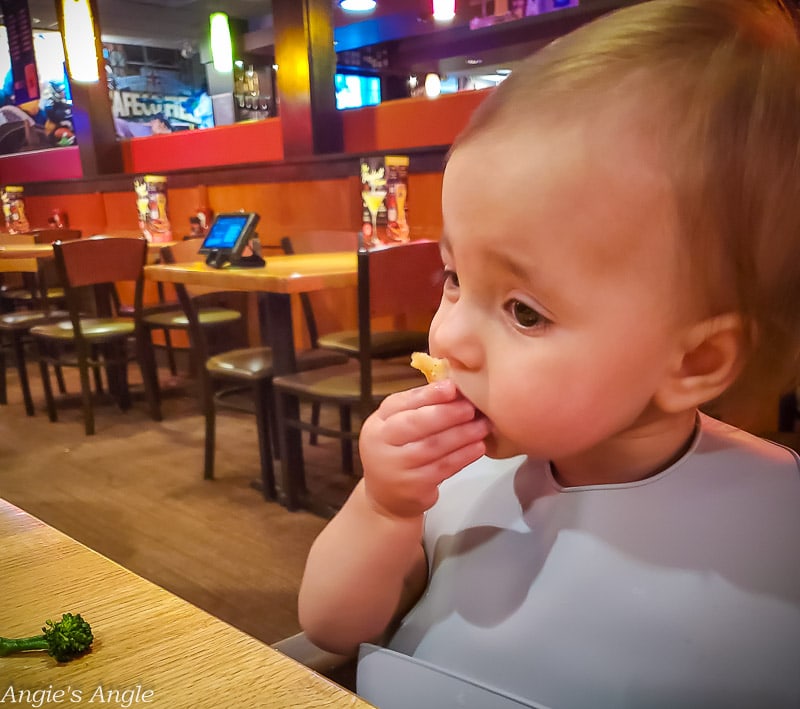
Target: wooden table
161,650
46,250
279,279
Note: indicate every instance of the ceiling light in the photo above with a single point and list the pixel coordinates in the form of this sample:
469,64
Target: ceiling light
80,39
433,85
357,5
221,47
444,10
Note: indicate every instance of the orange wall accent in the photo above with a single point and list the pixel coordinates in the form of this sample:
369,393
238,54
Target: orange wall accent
256,141
84,211
411,122
292,206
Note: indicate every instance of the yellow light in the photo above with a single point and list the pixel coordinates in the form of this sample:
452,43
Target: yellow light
80,40
433,85
221,48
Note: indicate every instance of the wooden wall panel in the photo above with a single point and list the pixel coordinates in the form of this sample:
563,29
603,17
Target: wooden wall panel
84,211
121,210
292,206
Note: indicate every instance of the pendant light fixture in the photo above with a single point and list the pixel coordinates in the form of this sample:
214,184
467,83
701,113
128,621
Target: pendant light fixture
80,40
221,47
357,5
444,10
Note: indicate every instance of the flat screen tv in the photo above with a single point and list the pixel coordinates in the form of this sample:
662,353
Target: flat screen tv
228,236
357,90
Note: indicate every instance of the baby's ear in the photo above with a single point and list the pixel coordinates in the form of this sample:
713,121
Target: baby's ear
708,359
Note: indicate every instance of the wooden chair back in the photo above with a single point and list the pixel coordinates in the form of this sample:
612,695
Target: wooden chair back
320,241
394,279
404,279
187,251
101,262
192,298
309,242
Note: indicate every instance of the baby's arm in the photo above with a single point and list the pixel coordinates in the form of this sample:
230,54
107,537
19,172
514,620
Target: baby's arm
367,566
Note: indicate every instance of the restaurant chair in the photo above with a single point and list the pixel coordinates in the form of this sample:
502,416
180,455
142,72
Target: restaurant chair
170,316
90,270
401,279
339,668
15,326
224,374
28,295
388,341
320,241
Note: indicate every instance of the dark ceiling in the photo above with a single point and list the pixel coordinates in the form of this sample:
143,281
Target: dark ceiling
418,43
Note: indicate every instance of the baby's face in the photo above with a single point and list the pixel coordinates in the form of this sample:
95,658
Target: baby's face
559,317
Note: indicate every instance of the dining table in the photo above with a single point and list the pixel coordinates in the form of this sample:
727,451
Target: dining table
279,278
150,648
43,251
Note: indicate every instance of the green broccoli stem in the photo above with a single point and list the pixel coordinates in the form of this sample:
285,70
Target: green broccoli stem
64,640
9,645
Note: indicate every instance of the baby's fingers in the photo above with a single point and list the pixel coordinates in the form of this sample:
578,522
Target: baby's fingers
416,398
436,449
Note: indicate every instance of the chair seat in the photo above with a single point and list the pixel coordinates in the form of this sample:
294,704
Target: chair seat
385,344
247,364
176,319
26,319
96,329
54,293
342,382
251,363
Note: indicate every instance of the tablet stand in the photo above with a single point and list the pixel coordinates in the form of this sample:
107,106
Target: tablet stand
218,259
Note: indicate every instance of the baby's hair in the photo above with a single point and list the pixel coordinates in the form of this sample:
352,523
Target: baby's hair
716,88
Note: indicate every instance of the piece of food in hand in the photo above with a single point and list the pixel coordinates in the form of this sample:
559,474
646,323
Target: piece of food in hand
434,368
64,639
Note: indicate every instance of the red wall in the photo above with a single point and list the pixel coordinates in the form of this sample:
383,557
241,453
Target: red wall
391,126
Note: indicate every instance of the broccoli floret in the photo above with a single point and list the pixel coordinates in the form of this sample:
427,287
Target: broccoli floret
64,639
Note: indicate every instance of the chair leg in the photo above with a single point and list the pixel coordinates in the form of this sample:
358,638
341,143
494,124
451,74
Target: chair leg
98,380
86,393
22,370
62,387
148,367
48,390
316,408
209,409
262,405
170,353
3,392
116,359
292,473
347,443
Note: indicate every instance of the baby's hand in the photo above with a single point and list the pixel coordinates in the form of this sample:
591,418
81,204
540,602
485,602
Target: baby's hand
414,441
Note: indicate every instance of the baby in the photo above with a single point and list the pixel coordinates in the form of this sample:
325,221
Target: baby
557,521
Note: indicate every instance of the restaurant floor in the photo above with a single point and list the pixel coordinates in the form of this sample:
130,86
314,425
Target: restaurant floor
135,493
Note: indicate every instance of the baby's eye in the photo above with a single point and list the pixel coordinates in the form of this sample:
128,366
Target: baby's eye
450,278
524,315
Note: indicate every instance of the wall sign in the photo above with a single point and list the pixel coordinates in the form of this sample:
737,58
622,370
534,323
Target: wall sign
17,19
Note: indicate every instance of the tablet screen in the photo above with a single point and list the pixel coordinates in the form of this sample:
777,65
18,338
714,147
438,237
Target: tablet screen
226,231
